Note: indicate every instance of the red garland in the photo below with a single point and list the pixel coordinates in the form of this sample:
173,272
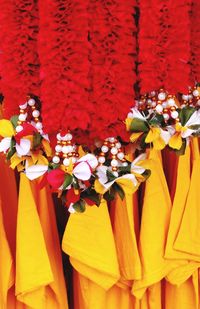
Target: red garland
113,54
164,45
19,62
195,42
63,46
177,47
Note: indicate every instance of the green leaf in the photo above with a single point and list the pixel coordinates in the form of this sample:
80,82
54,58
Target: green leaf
185,114
14,120
109,195
75,183
194,127
139,125
79,206
92,195
125,169
68,180
181,151
146,174
119,190
110,176
37,138
12,149
53,166
157,120
143,145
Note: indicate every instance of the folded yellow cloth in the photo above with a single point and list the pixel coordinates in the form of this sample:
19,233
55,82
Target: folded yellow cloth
185,296
123,217
182,243
6,266
89,241
33,270
188,237
56,294
156,211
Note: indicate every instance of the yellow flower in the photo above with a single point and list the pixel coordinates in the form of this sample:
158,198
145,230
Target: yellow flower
154,136
47,147
175,141
135,136
128,123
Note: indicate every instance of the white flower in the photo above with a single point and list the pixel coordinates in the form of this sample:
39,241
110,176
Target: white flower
135,113
35,171
23,147
136,168
5,144
84,166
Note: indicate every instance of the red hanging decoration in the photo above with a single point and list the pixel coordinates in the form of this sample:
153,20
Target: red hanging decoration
195,43
19,63
164,45
113,54
63,46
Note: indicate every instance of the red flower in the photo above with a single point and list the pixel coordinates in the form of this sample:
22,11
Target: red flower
72,197
56,178
28,129
89,202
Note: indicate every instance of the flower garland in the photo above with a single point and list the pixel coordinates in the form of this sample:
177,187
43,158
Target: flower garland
164,45
80,178
19,62
161,120
194,43
86,178
26,147
64,49
112,74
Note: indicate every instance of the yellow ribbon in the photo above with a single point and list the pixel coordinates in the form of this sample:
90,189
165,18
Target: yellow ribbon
47,147
154,136
175,141
126,184
38,158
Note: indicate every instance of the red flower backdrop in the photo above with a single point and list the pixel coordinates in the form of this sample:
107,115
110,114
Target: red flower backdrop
195,42
113,55
64,48
83,58
164,45
19,62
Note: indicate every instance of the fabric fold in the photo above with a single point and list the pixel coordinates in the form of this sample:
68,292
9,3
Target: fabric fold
156,211
123,217
188,237
89,242
33,269
56,293
6,265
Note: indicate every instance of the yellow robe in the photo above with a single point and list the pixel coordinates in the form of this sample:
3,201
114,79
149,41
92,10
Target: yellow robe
33,270
154,227
6,266
188,237
89,241
56,294
180,244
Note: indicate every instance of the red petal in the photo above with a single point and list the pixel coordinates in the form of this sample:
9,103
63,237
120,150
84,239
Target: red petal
28,129
71,197
56,178
87,183
89,202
